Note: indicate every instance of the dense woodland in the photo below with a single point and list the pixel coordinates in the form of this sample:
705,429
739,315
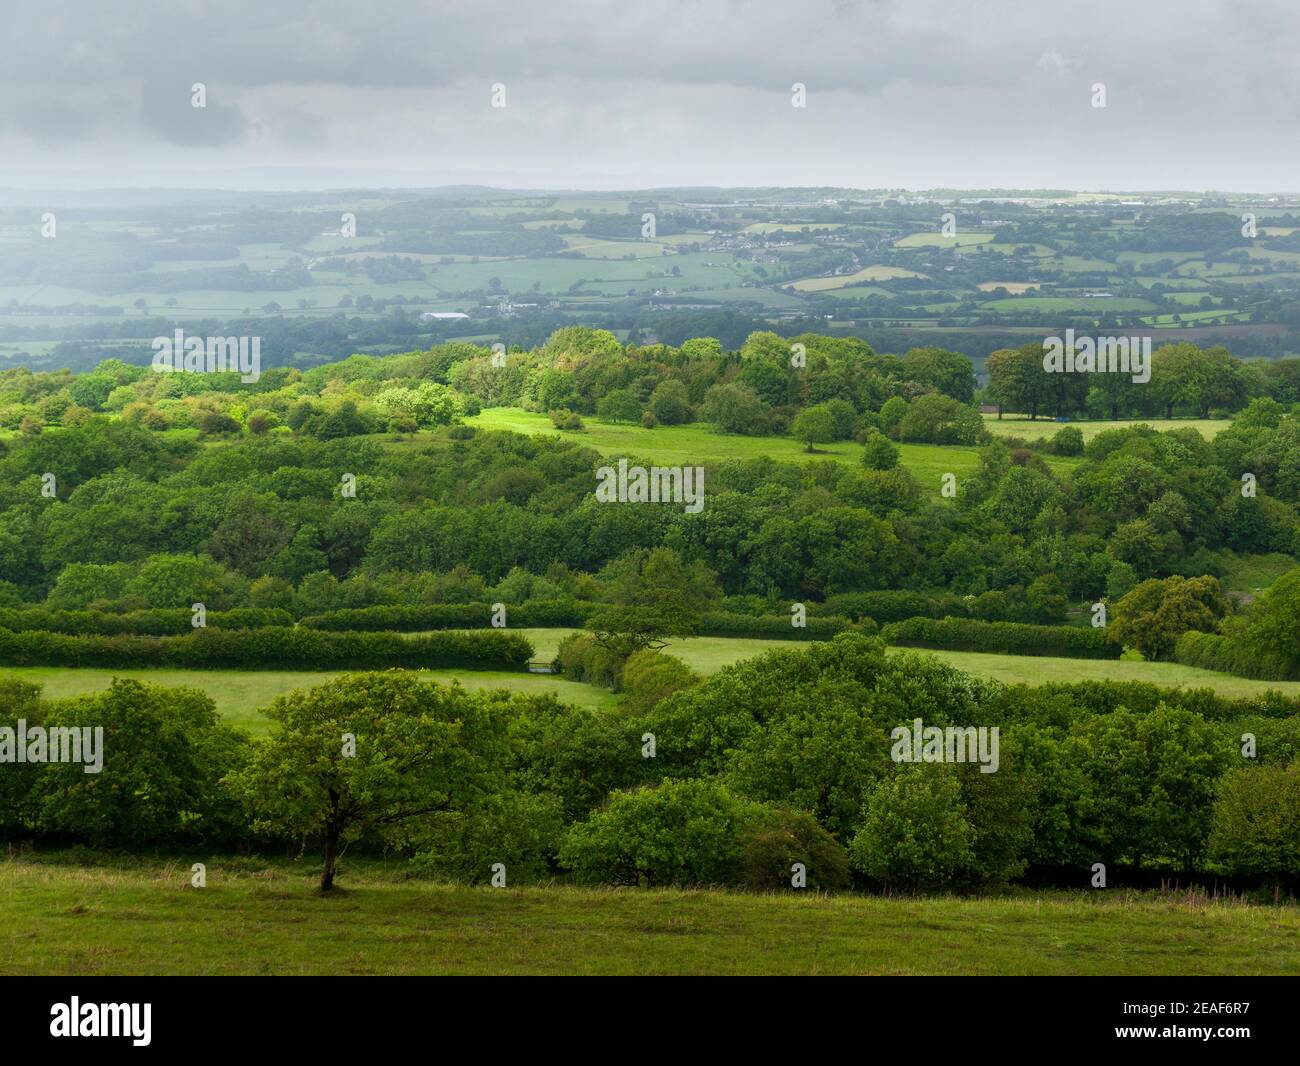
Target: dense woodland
128,498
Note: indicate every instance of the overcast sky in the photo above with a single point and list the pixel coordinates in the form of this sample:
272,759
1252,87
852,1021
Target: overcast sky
1200,94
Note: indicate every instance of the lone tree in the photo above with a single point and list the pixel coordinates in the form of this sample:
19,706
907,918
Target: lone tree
371,754
1154,615
814,425
651,595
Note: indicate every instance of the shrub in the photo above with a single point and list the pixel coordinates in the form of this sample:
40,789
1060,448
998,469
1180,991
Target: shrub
519,829
650,676
895,605
218,423
879,452
154,623
787,837
1256,824
165,755
1068,441
680,833
580,658
914,833
778,626
566,420
1226,655
540,614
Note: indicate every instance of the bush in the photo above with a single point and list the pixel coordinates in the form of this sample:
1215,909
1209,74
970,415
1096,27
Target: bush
1012,638
788,837
155,623
166,753
580,658
650,676
914,833
680,833
566,420
519,829
895,605
778,626
879,452
1256,825
1067,441
217,423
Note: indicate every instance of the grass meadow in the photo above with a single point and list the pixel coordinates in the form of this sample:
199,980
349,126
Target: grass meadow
1014,425
265,917
698,443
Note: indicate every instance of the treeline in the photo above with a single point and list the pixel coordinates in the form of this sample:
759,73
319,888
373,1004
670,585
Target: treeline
793,757
1184,380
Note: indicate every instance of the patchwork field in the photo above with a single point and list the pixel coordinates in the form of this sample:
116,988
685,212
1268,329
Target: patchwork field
264,917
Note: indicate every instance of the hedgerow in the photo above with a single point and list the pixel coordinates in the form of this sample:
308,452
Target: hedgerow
272,647
1012,638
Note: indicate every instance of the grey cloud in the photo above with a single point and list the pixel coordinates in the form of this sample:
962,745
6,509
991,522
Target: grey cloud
167,107
594,82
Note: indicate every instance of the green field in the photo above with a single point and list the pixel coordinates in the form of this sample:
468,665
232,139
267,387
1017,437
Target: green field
697,443
1040,669
1011,425
264,917
239,694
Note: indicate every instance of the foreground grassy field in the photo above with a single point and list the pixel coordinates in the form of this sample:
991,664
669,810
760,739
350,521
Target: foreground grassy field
265,918
697,443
